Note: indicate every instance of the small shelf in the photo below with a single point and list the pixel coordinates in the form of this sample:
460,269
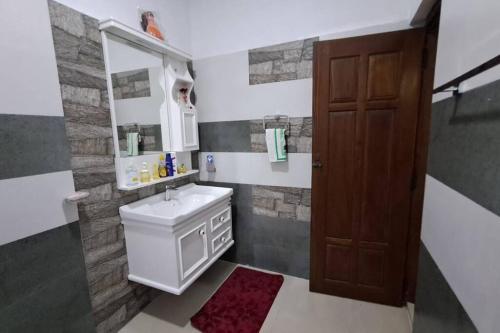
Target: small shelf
158,181
135,36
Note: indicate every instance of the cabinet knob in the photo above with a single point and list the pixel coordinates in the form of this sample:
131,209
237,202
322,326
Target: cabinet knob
202,232
221,219
223,239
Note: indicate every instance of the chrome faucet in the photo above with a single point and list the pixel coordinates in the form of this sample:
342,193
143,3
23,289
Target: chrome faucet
168,194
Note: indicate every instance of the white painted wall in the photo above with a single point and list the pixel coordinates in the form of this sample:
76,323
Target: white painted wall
29,85
469,34
255,168
223,92
28,81
227,26
464,240
173,15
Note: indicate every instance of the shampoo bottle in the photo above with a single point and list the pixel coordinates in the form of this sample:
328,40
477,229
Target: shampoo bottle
170,167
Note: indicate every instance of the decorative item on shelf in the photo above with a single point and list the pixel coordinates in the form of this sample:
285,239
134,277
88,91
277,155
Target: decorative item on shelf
149,25
182,98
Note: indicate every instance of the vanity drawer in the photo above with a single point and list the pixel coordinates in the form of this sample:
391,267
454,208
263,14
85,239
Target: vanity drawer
220,240
220,219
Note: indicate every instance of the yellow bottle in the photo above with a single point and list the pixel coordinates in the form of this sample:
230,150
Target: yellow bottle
182,169
145,175
156,174
162,169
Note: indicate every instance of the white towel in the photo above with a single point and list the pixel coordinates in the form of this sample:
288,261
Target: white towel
276,144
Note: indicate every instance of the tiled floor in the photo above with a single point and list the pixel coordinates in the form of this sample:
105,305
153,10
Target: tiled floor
295,309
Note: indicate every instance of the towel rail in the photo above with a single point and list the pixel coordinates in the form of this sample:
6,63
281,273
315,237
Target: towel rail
455,83
277,118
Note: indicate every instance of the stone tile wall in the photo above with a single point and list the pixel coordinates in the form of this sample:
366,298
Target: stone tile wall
281,62
131,84
298,139
114,299
284,202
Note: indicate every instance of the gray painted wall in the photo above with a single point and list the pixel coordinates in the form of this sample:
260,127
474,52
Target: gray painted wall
43,286
465,144
464,154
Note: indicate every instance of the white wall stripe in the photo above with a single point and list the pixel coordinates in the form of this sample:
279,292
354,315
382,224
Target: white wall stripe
33,204
464,240
224,94
255,168
29,82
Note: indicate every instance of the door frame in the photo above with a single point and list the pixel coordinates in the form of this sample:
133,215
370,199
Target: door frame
421,152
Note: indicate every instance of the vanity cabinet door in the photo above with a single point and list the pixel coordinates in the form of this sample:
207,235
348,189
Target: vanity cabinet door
190,130
192,249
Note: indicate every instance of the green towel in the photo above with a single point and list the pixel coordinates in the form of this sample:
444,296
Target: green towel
276,144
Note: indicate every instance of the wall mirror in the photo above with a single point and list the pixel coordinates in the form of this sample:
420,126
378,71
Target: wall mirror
138,89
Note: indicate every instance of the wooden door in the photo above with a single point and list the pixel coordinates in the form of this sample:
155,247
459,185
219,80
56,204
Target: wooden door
366,102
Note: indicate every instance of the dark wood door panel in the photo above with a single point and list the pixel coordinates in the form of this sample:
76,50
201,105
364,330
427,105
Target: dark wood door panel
384,71
344,73
340,168
376,176
366,92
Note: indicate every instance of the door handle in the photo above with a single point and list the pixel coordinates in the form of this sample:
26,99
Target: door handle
317,164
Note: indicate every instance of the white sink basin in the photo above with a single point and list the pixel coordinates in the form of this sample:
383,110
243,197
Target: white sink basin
185,202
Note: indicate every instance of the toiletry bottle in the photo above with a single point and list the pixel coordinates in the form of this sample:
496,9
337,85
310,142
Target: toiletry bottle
162,167
131,175
145,175
181,169
174,163
170,169
210,163
156,174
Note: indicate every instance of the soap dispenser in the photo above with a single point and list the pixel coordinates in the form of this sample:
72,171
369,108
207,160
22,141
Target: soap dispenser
145,175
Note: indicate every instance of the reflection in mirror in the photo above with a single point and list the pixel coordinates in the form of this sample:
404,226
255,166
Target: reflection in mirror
138,83
131,84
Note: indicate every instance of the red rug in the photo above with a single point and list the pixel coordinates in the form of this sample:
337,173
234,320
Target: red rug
241,304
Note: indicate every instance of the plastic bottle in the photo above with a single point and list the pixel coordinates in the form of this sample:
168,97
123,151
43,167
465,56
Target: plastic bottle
145,175
131,175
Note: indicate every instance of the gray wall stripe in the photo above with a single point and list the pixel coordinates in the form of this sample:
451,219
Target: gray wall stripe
464,152
43,284
225,136
32,145
248,135
437,308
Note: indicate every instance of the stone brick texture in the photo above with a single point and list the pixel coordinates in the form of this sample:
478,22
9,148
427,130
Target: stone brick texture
298,138
284,202
281,62
131,84
80,63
